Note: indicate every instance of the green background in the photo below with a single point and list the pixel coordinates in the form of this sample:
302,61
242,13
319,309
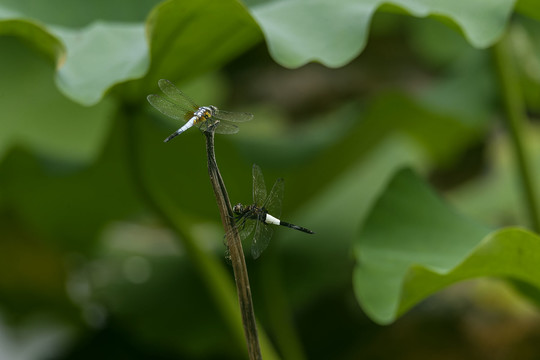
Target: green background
386,120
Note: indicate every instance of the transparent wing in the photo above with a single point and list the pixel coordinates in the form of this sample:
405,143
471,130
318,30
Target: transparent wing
244,226
233,116
177,96
274,200
246,229
259,188
224,128
221,128
166,107
261,238
203,125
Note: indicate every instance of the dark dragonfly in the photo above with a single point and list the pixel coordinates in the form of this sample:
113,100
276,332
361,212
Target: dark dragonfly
179,106
253,221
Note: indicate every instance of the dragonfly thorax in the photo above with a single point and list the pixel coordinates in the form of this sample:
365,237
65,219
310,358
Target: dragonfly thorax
205,112
249,211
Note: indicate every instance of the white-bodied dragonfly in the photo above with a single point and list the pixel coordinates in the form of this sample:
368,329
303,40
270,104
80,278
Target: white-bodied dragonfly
254,221
179,106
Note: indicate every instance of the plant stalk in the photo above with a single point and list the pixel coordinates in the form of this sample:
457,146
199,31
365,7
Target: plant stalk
212,272
236,252
515,119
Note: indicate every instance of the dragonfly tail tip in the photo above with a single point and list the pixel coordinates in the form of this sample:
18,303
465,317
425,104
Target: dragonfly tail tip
170,137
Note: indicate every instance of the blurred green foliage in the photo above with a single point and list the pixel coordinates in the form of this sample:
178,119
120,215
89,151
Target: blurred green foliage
110,241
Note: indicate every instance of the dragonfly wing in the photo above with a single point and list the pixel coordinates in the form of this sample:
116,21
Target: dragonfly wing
261,238
246,229
233,116
259,188
177,96
225,128
205,124
274,200
221,127
166,107
244,226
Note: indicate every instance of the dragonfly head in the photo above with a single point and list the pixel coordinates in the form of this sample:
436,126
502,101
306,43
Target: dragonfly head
239,209
213,109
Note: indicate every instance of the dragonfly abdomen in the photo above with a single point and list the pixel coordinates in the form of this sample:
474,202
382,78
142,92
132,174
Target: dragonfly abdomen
272,220
183,128
296,227
275,221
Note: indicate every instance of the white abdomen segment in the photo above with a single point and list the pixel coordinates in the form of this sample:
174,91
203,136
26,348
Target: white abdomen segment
271,220
187,125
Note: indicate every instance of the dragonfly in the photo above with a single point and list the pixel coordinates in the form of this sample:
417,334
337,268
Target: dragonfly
179,106
254,221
